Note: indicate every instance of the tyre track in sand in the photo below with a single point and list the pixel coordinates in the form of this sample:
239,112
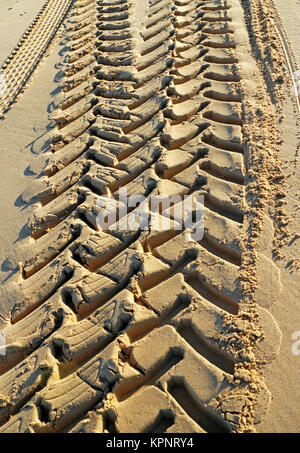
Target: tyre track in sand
23,60
106,324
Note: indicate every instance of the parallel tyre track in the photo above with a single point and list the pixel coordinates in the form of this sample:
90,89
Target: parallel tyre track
25,57
105,322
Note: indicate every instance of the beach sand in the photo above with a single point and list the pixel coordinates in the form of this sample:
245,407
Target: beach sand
139,330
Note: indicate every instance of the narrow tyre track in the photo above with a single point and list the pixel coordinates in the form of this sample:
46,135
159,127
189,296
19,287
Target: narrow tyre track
21,63
106,322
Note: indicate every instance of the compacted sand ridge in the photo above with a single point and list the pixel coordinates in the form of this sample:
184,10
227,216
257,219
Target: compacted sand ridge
129,327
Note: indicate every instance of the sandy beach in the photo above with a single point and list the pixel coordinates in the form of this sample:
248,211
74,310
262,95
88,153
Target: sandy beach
110,325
